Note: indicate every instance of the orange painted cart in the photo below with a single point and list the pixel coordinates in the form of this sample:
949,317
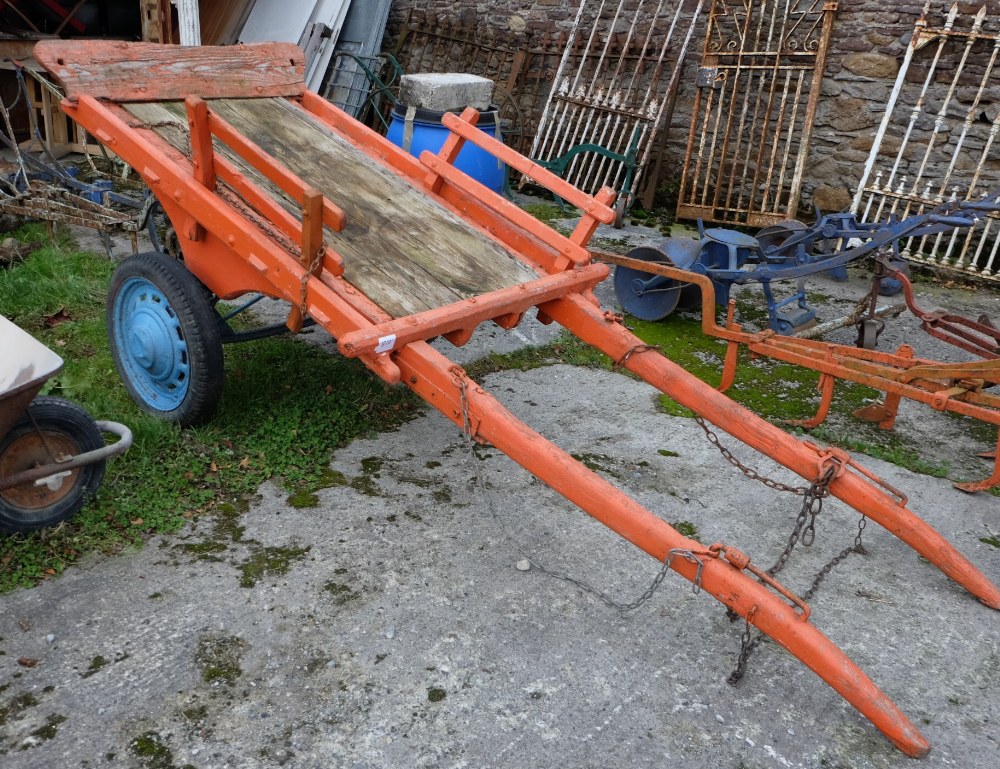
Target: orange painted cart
273,190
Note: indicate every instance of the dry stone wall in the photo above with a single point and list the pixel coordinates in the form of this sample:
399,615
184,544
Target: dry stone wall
868,44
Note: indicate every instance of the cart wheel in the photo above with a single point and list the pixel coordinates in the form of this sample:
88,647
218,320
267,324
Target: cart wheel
165,338
64,430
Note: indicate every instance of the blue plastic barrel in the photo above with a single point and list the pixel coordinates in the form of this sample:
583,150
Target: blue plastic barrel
423,131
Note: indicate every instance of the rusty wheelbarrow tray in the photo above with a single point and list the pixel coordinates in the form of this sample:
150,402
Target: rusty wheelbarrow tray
273,190
52,453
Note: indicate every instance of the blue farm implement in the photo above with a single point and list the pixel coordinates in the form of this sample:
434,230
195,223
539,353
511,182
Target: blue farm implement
782,252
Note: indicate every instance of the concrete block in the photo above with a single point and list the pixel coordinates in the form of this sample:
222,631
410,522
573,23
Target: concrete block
446,91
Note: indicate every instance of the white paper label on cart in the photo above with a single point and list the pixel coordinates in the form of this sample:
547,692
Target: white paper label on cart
386,343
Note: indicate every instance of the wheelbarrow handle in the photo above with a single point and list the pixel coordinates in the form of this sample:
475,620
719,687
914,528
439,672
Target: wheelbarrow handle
36,473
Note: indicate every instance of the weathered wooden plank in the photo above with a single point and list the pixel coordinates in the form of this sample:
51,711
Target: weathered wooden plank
399,288
400,247
420,229
131,72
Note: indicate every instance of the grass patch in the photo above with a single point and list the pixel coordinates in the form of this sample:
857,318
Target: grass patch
285,408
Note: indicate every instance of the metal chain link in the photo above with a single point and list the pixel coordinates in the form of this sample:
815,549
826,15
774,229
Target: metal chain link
749,472
805,521
858,547
748,644
803,531
644,596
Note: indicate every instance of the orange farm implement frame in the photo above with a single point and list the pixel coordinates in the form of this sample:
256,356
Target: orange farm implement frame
957,387
249,221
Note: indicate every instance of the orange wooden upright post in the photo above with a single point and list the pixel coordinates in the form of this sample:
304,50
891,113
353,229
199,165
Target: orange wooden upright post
312,252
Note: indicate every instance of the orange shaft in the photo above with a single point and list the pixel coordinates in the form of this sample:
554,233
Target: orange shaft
445,386
609,335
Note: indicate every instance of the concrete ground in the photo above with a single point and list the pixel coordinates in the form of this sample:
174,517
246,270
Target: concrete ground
398,626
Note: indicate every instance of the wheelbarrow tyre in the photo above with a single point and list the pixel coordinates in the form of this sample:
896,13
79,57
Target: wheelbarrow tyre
68,430
165,338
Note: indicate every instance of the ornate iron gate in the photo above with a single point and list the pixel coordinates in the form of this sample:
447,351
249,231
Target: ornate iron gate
757,91
945,145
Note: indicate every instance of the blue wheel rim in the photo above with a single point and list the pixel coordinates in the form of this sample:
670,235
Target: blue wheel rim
151,345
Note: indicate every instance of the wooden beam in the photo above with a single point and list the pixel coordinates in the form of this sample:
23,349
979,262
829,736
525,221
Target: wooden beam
135,72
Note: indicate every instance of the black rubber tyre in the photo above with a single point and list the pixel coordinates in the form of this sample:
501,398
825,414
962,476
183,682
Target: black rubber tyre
68,430
165,338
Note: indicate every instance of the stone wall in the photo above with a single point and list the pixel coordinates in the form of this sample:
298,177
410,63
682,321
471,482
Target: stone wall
869,40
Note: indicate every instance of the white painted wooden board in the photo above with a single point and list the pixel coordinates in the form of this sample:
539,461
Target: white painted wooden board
279,20
294,21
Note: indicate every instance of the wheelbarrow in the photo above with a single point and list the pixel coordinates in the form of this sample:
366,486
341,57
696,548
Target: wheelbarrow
52,452
273,190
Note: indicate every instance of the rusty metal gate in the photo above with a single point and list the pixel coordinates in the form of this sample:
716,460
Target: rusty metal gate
614,90
943,119
757,91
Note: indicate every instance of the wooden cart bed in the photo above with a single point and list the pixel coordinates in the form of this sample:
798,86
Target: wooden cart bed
400,247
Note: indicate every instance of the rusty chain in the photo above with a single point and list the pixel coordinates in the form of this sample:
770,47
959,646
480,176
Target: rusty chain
749,472
803,531
587,588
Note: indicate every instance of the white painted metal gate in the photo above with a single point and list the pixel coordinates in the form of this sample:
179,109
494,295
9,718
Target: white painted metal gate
938,139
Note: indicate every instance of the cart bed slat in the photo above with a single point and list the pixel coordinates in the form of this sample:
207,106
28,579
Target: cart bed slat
400,247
